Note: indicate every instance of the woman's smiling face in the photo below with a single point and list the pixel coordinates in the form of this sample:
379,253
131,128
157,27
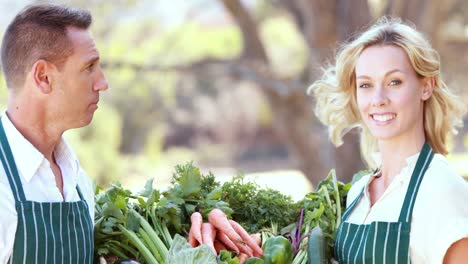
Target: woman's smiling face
389,93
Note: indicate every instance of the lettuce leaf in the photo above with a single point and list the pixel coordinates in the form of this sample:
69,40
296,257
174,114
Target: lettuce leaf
182,253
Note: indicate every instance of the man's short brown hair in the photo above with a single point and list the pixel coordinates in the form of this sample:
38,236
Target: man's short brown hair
39,32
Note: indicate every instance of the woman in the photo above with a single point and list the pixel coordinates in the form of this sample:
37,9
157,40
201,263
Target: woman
412,208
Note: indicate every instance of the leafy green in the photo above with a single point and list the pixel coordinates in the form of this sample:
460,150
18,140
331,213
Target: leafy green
258,208
127,225
191,191
141,225
227,257
181,253
323,208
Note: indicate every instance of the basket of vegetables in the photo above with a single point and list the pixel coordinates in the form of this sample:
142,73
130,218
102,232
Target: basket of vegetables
199,220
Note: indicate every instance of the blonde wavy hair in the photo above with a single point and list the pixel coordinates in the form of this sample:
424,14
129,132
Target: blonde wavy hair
335,92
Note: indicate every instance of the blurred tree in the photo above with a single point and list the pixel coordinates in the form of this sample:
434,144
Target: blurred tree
228,90
194,56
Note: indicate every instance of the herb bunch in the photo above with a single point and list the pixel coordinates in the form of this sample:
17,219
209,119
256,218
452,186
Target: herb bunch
258,208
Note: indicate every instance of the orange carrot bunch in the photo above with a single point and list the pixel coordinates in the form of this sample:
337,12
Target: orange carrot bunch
220,233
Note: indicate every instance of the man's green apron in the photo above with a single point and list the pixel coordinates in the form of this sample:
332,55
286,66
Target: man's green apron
47,232
382,242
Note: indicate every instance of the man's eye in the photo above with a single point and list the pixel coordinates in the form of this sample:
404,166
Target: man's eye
90,67
395,82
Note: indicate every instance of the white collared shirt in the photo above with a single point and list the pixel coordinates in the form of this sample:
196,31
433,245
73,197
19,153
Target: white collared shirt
440,214
38,182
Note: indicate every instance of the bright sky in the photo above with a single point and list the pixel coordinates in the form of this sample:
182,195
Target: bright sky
171,13
8,9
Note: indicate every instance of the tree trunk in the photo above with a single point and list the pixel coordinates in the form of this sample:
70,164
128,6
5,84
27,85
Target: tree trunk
292,109
252,46
325,25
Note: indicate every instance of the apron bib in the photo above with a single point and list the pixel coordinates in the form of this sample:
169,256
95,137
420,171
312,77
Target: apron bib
382,242
55,232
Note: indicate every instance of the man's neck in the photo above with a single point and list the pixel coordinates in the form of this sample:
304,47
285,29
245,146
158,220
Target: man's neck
33,125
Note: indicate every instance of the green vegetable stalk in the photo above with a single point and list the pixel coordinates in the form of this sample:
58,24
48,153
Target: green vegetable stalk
317,251
278,250
254,260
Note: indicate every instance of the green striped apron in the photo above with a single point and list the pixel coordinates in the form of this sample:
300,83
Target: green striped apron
57,232
382,242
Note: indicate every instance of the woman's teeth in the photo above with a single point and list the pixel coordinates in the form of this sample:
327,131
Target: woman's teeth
383,118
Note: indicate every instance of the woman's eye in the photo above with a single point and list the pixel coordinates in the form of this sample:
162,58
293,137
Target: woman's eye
395,82
364,85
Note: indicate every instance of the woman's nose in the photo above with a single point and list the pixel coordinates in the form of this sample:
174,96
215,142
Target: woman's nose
379,97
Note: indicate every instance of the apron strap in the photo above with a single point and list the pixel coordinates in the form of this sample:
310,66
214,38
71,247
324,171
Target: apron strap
424,159
352,205
79,193
9,166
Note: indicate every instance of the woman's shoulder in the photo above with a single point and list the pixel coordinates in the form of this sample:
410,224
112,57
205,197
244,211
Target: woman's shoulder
442,175
442,182
440,207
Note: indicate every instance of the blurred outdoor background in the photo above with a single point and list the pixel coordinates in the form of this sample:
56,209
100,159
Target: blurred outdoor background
223,83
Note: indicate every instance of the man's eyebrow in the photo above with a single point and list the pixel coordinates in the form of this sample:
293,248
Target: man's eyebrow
92,60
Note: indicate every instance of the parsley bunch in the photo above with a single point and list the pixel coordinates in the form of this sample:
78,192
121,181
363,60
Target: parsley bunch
258,208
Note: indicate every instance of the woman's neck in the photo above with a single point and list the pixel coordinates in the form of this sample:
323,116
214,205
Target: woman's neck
394,155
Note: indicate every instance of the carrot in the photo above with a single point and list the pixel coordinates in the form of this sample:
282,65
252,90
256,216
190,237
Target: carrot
197,220
219,220
192,241
244,249
219,246
208,234
227,242
246,237
257,238
242,258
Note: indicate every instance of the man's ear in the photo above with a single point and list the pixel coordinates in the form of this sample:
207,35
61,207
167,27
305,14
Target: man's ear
428,87
42,75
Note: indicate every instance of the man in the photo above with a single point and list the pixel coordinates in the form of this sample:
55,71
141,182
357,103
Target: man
51,67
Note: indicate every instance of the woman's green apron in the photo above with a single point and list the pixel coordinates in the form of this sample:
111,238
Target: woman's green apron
382,242
47,232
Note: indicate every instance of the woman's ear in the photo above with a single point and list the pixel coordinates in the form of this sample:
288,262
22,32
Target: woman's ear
42,75
428,87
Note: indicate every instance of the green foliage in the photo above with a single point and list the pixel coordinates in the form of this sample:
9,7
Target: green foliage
192,42
181,252
323,208
190,191
256,208
154,144
121,214
126,225
97,145
284,45
3,91
227,257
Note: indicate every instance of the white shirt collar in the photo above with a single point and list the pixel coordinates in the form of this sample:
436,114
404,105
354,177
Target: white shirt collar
410,161
28,158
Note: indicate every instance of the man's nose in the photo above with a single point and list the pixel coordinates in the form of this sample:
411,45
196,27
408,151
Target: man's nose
101,82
